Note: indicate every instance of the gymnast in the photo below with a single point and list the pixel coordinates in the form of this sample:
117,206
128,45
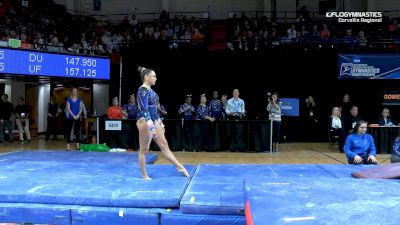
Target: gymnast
149,124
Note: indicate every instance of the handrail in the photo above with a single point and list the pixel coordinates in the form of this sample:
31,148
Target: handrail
142,16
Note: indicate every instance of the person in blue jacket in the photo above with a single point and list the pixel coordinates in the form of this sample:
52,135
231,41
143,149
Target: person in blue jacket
395,156
359,146
149,124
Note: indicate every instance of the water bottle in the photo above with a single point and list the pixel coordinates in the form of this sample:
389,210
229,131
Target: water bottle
95,113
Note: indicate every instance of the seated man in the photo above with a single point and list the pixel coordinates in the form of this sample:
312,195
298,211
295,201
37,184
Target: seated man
359,146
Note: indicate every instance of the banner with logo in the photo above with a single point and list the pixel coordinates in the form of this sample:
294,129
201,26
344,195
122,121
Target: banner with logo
369,66
391,98
289,106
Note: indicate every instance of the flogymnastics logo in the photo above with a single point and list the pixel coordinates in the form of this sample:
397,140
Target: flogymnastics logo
358,70
356,17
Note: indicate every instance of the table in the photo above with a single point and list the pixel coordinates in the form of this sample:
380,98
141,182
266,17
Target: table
383,137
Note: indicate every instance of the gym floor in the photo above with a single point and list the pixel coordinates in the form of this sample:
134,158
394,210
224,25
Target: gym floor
291,153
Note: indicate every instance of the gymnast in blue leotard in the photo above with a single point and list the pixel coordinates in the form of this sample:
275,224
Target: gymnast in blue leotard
149,124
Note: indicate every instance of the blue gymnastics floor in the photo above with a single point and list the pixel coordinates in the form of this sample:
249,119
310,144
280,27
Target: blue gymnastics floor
95,188
315,201
218,189
91,184
75,156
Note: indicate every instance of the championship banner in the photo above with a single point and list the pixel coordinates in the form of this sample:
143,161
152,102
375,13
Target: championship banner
369,66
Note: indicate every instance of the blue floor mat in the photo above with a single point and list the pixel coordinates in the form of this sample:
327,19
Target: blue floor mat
218,189
315,201
77,215
113,216
91,184
175,217
34,213
75,156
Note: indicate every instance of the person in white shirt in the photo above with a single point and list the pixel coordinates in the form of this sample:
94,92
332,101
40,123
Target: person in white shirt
235,107
275,114
336,127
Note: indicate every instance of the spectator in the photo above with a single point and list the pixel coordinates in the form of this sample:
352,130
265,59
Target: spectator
336,127
52,115
235,106
291,32
325,33
114,111
352,120
7,109
215,106
74,107
311,119
274,114
385,120
130,109
187,109
22,120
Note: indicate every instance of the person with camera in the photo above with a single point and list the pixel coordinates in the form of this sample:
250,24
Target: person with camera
274,115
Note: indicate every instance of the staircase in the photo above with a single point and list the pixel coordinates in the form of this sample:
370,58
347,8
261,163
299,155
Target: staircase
218,38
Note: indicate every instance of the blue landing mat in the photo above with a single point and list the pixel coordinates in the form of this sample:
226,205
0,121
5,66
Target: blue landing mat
91,184
76,156
218,189
77,215
314,201
175,217
113,216
35,213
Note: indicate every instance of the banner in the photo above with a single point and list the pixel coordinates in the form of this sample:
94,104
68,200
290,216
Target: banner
369,66
113,125
391,98
290,106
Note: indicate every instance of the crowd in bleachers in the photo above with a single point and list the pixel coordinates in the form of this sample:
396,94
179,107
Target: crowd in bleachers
261,33
44,25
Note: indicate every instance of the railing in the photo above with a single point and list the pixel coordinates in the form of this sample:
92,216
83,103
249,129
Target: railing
193,135
141,17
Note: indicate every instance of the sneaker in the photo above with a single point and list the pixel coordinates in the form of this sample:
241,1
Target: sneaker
1,142
11,142
29,140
